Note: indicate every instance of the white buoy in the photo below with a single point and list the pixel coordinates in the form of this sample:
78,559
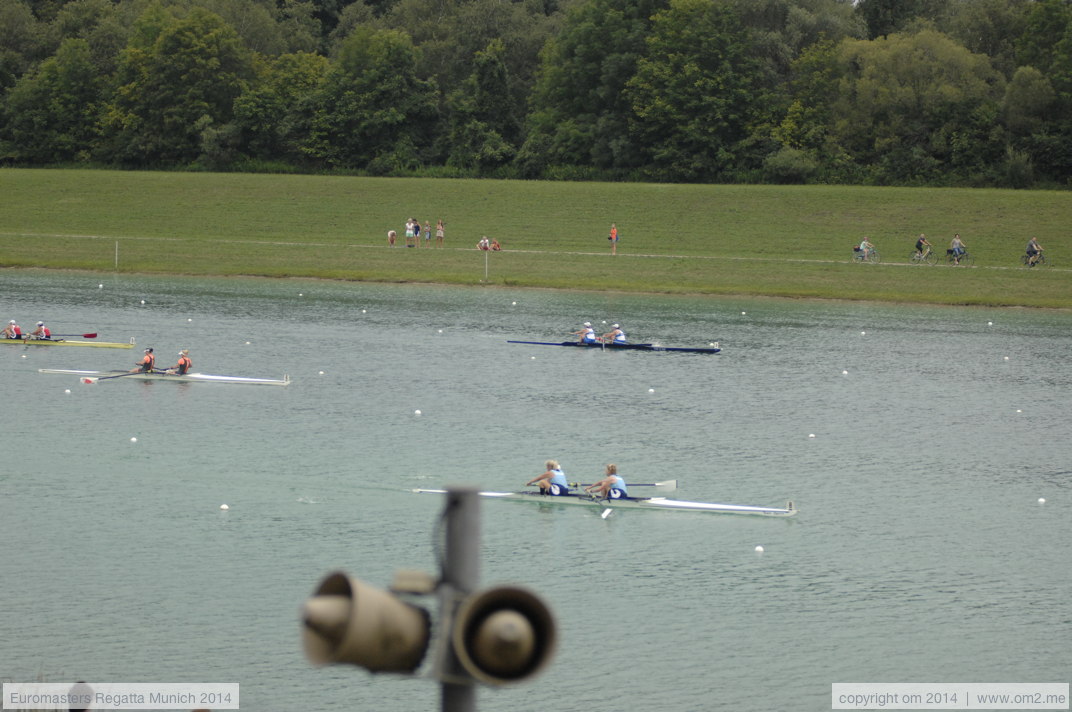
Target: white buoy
743,313
100,286
533,358
1006,358
247,343
811,435
1042,500
863,333
844,373
67,391
651,390
759,549
224,506
989,323
143,301
440,331
321,373
24,355
416,412
1019,411
513,304
133,440
189,321
300,294
362,311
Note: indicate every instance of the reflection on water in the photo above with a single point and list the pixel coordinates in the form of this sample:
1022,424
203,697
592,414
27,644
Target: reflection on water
921,553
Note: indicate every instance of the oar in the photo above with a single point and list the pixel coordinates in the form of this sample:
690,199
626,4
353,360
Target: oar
84,336
94,379
667,486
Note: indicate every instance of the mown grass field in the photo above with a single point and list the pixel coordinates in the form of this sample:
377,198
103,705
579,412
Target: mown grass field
790,241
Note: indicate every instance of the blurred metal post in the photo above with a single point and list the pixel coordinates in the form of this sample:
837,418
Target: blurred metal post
460,575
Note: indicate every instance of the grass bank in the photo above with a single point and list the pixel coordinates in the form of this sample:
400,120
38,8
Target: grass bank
790,241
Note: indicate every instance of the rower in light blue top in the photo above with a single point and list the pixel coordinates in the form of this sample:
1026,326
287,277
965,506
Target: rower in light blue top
587,334
614,336
612,486
553,482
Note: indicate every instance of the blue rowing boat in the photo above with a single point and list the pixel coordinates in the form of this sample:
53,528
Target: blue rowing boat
610,346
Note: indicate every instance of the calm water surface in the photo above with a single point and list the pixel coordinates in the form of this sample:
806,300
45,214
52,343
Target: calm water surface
921,552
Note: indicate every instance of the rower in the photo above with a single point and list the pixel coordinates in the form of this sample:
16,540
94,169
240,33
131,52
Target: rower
184,364
146,364
41,332
587,334
612,486
614,336
553,482
12,330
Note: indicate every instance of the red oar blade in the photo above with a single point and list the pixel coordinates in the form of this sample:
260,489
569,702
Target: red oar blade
88,379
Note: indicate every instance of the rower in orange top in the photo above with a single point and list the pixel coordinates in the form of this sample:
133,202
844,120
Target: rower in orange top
184,364
146,364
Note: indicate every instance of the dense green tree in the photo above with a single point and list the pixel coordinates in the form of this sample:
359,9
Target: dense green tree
23,40
100,23
916,107
692,94
484,127
275,116
580,111
886,16
51,113
177,78
377,114
990,27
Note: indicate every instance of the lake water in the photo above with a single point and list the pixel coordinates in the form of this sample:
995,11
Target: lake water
921,552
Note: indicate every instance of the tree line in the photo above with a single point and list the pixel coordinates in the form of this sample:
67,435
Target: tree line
880,92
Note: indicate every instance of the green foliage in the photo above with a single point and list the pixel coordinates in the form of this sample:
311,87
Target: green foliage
376,113
953,92
178,77
690,110
52,112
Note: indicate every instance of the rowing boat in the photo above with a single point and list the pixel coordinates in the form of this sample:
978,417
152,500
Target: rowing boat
93,376
70,342
634,503
611,346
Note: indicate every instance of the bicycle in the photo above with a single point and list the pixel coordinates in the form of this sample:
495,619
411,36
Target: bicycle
966,258
1025,260
928,257
871,256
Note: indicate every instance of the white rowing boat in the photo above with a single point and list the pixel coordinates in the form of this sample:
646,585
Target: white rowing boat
634,503
94,376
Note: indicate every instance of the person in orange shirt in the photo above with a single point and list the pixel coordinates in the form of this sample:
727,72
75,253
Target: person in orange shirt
146,364
184,364
613,239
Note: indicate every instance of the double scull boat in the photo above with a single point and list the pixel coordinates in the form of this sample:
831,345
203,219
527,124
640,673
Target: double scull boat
714,348
70,342
94,376
634,503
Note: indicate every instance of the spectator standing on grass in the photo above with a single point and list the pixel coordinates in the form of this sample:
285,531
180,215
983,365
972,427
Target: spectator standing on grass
613,237
440,232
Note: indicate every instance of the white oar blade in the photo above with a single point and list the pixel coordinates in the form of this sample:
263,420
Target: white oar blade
667,486
88,379
606,513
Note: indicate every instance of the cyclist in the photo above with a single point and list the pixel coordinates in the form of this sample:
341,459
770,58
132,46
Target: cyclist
921,245
1034,251
866,248
957,248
